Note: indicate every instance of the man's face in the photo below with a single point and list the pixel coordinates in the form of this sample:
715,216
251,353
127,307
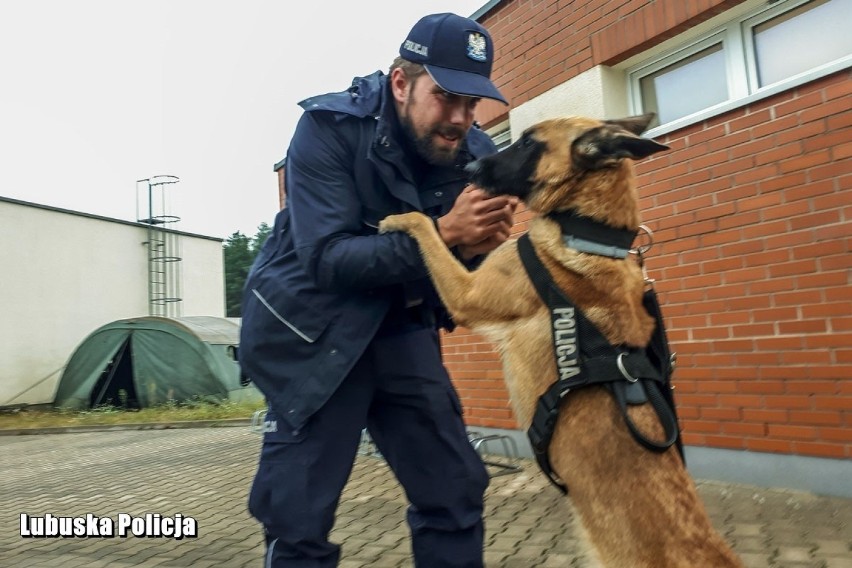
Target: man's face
434,120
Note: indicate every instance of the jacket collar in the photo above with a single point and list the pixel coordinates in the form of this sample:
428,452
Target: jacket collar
362,99
370,97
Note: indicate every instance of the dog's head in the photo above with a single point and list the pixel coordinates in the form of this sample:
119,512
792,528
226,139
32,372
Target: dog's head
557,162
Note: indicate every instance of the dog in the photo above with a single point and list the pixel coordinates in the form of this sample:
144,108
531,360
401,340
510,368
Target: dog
637,508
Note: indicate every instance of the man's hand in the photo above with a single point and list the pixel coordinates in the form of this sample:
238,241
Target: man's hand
478,223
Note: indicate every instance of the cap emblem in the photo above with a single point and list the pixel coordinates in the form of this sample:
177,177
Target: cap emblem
476,46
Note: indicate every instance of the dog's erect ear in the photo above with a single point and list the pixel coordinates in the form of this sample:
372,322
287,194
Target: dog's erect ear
635,124
604,146
638,148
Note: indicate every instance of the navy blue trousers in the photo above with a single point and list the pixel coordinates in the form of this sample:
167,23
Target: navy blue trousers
402,393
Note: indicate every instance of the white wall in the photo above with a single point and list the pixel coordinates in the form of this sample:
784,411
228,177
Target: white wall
596,93
203,277
64,274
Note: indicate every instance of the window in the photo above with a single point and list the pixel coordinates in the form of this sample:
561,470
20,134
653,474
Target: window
772,48
801,39
696,82
501,135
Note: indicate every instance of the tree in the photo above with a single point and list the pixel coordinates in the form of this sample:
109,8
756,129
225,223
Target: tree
263,232
240,252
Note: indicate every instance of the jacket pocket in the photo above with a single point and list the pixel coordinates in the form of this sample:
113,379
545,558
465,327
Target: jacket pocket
305,322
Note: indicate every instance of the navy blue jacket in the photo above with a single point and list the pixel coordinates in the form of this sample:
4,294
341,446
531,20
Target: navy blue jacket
325,279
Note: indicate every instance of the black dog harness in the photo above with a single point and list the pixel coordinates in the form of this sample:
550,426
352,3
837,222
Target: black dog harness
584,357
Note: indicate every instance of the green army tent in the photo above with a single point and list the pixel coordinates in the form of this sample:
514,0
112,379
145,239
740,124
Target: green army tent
145,361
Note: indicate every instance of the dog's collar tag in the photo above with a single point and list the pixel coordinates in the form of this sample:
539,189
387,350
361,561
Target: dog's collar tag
591,247
587,235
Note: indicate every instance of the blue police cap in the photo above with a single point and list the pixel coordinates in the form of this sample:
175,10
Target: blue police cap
457,53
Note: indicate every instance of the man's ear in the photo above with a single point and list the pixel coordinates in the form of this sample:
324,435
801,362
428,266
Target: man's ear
399,85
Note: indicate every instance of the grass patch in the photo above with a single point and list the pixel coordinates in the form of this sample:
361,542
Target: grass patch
168,412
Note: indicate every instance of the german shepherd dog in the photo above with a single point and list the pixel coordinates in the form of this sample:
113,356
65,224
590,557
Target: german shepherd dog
637,508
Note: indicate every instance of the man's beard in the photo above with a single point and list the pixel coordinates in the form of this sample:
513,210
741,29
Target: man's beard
425,145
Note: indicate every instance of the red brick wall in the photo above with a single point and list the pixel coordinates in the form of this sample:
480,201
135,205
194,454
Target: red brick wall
282,191
540,44
751,212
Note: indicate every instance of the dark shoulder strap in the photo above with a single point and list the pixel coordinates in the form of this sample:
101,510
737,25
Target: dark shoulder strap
547,410
539,275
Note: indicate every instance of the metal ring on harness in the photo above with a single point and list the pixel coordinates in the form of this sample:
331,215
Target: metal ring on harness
648,235
623,369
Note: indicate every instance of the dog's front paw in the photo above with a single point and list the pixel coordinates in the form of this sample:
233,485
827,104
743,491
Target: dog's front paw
405,222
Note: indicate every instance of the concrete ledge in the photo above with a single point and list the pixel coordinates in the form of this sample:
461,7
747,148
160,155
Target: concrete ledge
223,423
822,476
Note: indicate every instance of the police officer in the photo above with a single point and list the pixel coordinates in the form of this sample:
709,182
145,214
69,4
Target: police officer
340,323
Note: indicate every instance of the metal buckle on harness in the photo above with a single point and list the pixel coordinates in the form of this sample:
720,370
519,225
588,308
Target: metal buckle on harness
620,364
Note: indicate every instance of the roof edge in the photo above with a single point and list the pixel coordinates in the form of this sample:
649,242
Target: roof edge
101,217
484,10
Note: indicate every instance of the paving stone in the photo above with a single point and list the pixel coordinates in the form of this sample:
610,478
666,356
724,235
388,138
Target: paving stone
793,554
206,474
754,560
834,547
746,529
749,544
558,561
494,557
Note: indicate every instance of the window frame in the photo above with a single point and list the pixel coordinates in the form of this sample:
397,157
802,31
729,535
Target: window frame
501,135
668,59
736,36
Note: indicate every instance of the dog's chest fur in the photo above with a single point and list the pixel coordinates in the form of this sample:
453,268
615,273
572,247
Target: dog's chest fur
609,292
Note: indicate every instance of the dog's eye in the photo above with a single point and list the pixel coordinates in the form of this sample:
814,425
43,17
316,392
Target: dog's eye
526,141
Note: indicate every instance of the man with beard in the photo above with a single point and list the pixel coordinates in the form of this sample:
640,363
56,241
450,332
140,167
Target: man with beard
340,323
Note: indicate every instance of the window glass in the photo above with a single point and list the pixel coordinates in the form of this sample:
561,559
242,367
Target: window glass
779,44
801,39
690,85
502,139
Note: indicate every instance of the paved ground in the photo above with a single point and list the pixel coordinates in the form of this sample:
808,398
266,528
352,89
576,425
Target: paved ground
205,474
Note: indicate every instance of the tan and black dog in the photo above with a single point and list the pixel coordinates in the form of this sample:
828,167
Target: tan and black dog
639,508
